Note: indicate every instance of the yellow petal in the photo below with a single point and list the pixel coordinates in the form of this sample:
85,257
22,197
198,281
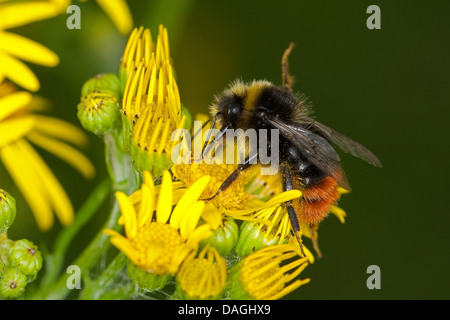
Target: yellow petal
212,215
190,219
112,233
14,102
202,232
56,194
18,72
18,14
128,213
27,49
147,206
62,130
125,246
70,155
339,213
29,184
164,206
16,128
188,199
62,4
276,200
119,13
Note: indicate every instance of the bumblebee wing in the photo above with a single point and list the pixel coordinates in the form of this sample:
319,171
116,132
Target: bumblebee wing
346,144
315,148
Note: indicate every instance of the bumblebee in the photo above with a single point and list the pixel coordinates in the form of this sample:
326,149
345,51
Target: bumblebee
307,159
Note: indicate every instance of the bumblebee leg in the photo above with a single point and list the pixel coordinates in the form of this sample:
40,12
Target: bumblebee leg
209,132
233,176
286,78
206,147
291,211
203,127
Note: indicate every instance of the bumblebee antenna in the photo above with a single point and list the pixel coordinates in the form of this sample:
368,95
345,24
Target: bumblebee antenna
286,78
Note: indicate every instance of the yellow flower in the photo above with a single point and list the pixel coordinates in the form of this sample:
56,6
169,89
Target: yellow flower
151,101
202,277
160,242
14,48
267,274
19,126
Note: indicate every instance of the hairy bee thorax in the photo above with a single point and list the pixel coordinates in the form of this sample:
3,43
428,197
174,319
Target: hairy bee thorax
245,105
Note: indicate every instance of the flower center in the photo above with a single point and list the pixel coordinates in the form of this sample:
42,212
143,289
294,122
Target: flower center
233,198
157,245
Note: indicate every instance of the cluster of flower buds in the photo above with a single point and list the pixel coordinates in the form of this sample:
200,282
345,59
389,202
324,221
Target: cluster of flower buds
20,261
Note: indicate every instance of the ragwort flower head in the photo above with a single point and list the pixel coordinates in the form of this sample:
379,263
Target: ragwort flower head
203,276
151,101
267,274
157,237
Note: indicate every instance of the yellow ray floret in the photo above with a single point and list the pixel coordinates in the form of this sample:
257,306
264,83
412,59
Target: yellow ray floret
18,127
14,47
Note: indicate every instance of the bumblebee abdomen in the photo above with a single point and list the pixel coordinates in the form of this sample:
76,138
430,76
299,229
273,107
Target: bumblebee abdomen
316,201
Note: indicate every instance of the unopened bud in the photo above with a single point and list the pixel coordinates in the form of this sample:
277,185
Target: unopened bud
13,283
105,83
5,252
225,237
253,237
26,257
7,210
99,112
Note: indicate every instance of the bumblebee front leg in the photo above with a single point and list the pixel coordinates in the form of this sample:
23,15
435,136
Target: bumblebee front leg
233,176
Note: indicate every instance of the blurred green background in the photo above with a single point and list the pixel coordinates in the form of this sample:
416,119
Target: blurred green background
388,89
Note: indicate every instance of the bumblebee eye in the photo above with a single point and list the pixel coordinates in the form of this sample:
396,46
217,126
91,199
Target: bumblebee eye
234,110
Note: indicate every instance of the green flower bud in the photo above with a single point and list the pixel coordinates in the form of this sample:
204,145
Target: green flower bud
12,284
7,210
26,257
99,112
5,252
253,237
147,281
106,83
151,161
225,237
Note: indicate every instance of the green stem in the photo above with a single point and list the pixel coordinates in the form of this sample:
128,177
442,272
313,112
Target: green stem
118,163
88,258
122,175
96,289
54,261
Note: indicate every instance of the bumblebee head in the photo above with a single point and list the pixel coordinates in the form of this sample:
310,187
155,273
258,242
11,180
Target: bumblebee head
239,103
